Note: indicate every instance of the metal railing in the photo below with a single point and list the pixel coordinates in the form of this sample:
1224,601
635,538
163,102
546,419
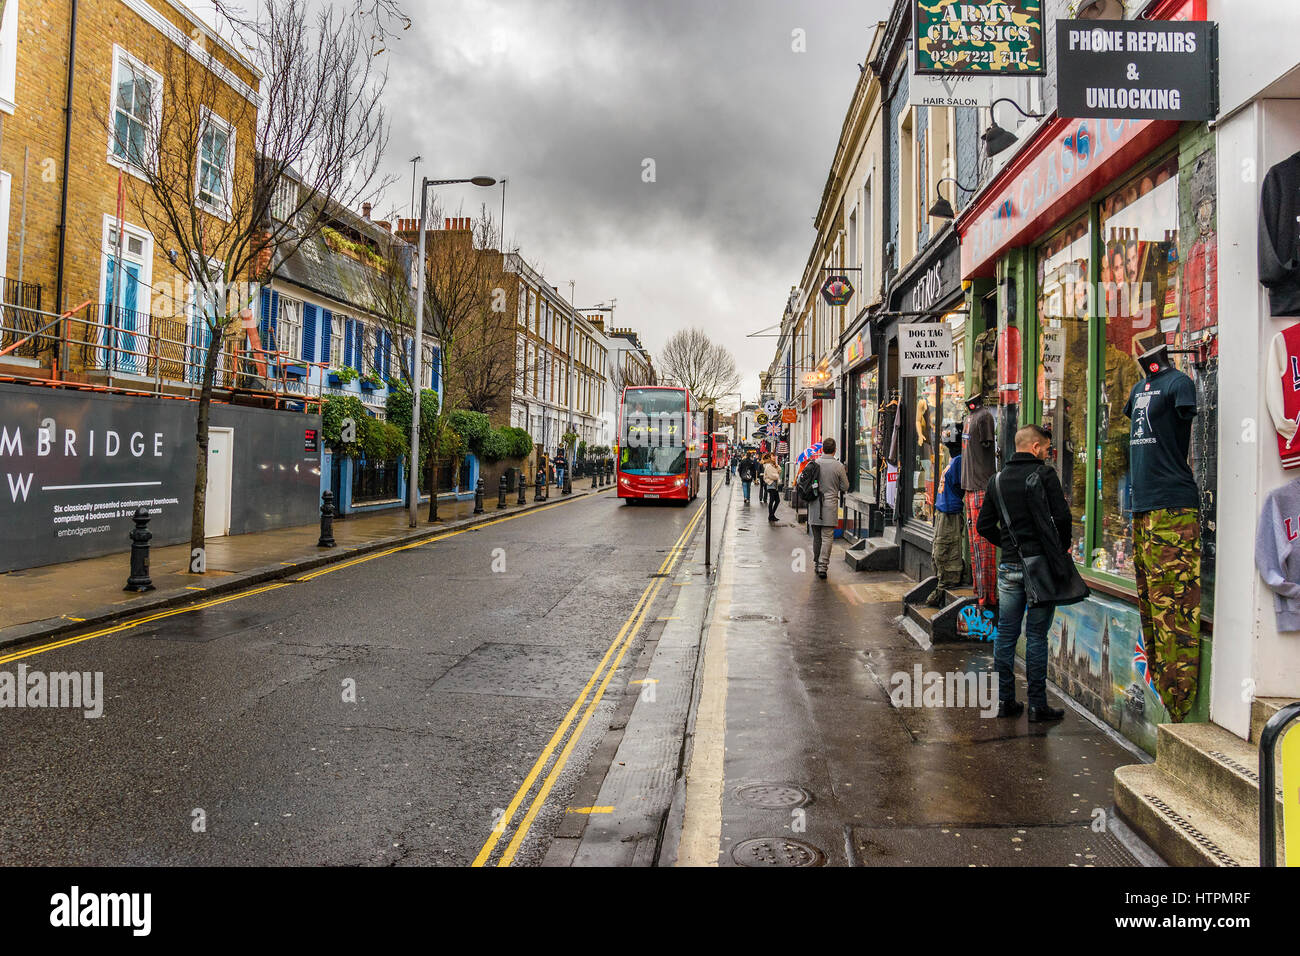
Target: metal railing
117,349
20,316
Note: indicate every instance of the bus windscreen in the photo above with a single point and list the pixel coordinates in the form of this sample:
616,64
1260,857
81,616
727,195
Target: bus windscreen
654,440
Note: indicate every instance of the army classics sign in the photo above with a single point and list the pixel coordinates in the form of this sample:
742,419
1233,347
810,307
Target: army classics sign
985,39
1143,69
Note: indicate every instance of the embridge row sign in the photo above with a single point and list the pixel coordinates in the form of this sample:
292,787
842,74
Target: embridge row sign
990,39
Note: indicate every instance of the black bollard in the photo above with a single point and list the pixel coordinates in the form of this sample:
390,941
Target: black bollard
609,471
478,497
139,579
326,520
537,490
502,489
595,479
523,489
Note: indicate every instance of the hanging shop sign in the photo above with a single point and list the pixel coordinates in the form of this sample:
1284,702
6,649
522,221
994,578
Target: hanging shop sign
925,350
966,89
932,282
988,39
837,290
820,393
761,418
789,416
815,378
1147,69
771,407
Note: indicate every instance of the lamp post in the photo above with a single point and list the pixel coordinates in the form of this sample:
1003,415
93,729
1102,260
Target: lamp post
602,307
414,484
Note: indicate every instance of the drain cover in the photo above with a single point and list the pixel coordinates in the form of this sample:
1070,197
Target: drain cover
774,796
754,617
776,851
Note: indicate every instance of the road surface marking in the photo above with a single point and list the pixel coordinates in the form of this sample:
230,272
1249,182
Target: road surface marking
589,810
648,680
127,625
489,845
538,801
439,537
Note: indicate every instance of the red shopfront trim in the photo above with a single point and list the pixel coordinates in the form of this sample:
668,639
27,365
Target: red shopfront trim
1066,162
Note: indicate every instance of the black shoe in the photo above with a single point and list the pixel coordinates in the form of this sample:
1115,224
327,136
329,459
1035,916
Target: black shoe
822,575
1010,708
1040,715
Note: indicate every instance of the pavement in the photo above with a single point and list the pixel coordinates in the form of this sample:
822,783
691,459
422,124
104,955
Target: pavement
42,602
778,735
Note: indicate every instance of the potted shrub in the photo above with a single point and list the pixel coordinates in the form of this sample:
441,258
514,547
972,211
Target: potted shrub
371,382
341,376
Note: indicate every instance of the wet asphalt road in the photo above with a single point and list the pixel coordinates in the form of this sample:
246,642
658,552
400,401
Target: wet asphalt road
234,716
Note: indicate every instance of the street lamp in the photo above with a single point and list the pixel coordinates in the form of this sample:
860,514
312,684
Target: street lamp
414,483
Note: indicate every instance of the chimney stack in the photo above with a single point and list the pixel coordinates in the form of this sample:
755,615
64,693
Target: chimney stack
365,210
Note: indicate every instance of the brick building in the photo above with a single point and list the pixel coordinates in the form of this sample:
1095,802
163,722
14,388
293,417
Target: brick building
84,88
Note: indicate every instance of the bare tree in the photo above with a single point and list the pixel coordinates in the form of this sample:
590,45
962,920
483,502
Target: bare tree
227,211
693,360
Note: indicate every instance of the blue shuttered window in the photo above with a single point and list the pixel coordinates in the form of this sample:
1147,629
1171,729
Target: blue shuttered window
358,344
347,343
327,330
309,333
434,368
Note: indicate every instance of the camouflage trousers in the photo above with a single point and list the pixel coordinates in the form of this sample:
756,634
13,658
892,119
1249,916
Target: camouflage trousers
1167,558
946,552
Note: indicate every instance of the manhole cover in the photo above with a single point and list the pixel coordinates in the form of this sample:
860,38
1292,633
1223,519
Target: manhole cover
776,851
754,617
774,796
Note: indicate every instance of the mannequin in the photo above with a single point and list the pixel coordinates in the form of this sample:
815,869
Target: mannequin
978,464
946,550
1166,527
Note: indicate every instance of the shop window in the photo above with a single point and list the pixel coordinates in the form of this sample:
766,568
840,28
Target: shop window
936,401
1063,273
1139,302
864,426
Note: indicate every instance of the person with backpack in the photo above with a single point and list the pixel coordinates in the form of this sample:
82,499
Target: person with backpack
746,471
1026,515
772,485
823,483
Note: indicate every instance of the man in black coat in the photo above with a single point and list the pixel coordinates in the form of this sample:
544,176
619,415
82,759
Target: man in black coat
747,470
1032,446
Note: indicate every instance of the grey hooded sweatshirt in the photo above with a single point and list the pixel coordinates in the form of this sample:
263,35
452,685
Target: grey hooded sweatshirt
1277,552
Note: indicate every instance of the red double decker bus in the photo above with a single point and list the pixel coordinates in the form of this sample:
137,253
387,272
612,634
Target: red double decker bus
658,445
720,452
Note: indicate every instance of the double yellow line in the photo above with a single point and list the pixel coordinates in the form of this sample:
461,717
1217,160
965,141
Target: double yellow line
607,666
188,608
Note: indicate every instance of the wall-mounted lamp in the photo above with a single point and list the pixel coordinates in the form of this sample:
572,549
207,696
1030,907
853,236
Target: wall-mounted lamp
995,138
942,209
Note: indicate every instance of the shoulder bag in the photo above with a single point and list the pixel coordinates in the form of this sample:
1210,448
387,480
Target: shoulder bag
1043,587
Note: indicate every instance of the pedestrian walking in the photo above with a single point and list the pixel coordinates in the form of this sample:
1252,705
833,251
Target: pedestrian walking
1026,515
947,549
746,473
561,465
823,483
772,486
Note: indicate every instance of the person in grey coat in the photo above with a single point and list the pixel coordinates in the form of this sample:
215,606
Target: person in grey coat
824,512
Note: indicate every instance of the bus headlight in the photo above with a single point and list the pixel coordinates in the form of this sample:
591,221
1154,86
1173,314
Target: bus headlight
679,482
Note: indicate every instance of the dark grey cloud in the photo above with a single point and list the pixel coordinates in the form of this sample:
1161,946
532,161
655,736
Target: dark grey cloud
568,98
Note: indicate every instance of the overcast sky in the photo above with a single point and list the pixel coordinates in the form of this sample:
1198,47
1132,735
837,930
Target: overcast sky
566,98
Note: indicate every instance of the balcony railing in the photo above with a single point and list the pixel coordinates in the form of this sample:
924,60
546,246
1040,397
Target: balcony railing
20,317
104,345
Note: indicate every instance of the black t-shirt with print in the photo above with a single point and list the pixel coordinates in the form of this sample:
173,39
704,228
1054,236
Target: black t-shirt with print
1161,409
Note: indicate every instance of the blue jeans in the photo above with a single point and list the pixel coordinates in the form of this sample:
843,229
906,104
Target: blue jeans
1011,608
745,485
